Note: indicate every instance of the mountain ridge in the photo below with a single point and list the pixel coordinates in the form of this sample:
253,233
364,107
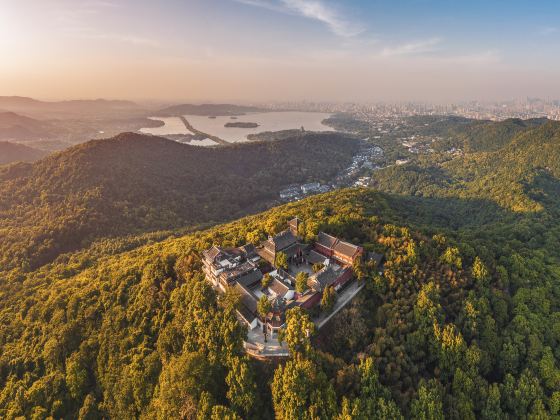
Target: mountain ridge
133,183
211,110
14,152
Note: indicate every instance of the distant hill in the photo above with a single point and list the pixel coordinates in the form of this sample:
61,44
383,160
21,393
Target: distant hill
18,127
522,175
487,136
54,126
211,110
96,108
135,183
13,152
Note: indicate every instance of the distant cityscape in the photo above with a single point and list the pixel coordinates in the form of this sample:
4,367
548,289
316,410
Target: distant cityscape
391,125
500,110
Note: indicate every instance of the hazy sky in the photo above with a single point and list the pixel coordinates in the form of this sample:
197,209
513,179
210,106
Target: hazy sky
253,50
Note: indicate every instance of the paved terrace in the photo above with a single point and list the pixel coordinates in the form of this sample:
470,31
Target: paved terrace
342,299
256,346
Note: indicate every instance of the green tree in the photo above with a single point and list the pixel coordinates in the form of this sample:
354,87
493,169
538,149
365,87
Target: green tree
374,399
298,331
182,382
317,267
266,280
479,271
452,257
451,347
220,412
328,299
254,237
301,390
349,410
242,389
428,405
359,269
492,409
427,309
263,306
301,281
231,299
77,376
89,410
281,261
205,404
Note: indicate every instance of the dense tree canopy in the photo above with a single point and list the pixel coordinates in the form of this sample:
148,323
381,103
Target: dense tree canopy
464,322
136,183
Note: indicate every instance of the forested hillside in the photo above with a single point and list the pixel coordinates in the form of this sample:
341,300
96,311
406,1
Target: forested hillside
464,323
521,176
18,127
134,183
486,136
13,152
461,325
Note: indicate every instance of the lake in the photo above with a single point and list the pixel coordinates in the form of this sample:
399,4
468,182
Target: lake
172,125
268,121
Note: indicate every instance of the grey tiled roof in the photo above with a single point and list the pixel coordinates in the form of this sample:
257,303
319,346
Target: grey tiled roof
249,250
278,287
250,278
283,240
212,253
314,257
323,278
346,248
326,240
248,299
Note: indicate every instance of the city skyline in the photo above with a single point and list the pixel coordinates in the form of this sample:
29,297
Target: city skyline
284,50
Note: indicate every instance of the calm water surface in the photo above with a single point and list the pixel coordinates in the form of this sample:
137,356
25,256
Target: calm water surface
268,121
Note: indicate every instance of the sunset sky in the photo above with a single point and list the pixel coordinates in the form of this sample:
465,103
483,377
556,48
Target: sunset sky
259,50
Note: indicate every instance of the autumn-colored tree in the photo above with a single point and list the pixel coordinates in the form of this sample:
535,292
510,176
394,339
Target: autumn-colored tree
281,261
266,280
263,306
479,270
182,382
301,281
452,257
301,390
317,267
298,331
359,269
242,390
328,299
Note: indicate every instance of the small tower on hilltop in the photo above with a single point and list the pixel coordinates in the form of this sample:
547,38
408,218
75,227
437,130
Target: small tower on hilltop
293,225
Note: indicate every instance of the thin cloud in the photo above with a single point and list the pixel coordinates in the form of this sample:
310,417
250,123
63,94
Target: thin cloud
482,58
125,39
548,30
412,48
79,20
316,10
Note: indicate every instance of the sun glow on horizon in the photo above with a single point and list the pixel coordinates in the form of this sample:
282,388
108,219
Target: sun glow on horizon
234,49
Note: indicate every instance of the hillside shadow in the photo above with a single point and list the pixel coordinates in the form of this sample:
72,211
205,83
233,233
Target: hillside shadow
437,213
544,189
462,214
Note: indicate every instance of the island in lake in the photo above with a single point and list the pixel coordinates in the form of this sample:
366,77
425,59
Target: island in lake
239,124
